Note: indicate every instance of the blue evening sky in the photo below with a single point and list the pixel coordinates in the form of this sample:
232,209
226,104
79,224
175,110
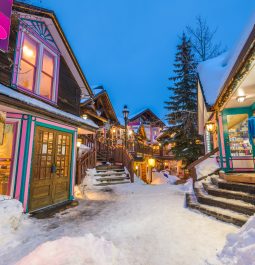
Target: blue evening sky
129,46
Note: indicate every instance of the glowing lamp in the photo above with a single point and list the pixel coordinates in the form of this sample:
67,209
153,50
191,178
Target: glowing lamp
85,116
151,162
28,52
136,167
210,126
240,99
79,141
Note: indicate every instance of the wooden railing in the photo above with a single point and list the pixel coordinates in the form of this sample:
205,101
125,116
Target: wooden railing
86,160
192,167
121,155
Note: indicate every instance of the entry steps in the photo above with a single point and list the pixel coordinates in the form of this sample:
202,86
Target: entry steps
227,201
111,175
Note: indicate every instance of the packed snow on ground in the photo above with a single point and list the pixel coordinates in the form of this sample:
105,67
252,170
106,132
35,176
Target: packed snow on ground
163,177
129,224
240,246
11,218
207,167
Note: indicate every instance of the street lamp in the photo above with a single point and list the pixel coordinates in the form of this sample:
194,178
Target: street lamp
151,163
125,112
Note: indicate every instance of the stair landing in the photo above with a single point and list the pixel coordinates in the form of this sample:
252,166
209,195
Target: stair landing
240,177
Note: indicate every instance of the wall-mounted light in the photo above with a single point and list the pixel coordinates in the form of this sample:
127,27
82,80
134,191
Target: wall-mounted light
85,116
240,99
79,141
210,126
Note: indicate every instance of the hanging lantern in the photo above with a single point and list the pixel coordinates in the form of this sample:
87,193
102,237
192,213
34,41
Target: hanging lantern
210,126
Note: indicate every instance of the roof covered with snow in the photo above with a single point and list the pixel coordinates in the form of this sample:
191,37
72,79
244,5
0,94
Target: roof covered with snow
210,76
37,104
214,73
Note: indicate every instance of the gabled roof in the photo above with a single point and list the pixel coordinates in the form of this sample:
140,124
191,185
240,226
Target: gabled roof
103,95
51,21
147,114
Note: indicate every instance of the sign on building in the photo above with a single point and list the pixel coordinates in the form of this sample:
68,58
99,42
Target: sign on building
5,23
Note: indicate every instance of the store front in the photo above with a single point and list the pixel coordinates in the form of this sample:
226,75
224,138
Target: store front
37,160
7,154
237,149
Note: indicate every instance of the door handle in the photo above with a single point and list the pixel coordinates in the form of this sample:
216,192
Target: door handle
53,168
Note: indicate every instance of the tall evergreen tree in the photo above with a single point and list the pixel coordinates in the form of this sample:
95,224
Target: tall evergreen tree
182,104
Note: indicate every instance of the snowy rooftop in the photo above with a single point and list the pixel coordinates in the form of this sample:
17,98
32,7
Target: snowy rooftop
210,75
39,104
213,73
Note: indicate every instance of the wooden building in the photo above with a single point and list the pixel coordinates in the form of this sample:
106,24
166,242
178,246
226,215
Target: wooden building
230,78
41,84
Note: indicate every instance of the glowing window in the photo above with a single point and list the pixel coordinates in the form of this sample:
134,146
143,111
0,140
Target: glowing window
28,64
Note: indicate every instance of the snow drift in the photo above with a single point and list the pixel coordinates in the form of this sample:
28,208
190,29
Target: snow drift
10,217
240,246
163,178
207,167
86,250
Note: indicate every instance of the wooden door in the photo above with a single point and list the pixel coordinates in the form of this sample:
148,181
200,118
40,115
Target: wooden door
50,179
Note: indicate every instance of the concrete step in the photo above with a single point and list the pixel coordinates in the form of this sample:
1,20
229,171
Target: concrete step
227,185
109,167
230,204
229,194
112,183
109,173
112,178
115,170
224,215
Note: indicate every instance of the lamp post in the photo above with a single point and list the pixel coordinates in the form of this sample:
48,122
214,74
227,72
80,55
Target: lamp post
151,163
125,112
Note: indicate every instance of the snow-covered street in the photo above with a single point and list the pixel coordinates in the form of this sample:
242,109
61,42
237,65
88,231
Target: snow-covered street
123,224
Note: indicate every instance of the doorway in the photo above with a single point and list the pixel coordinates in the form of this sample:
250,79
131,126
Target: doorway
239,150
50,179
7,150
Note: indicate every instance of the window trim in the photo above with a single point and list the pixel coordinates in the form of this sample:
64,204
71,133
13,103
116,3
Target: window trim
42,46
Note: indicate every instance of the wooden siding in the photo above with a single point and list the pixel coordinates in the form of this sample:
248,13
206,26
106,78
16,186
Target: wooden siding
69,92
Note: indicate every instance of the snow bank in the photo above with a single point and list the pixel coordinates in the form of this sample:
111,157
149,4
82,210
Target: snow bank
10,217
240,246
207,167
163,178
10,214
86,250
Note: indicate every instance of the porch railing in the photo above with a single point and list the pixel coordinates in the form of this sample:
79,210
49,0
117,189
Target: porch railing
192,167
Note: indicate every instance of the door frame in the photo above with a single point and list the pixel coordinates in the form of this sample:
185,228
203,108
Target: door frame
72,166
225,113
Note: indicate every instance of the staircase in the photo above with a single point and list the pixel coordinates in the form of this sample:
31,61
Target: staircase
111,175
227,201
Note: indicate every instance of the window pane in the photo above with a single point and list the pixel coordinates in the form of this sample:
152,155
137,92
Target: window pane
29,50
45,86
26,75
48,63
